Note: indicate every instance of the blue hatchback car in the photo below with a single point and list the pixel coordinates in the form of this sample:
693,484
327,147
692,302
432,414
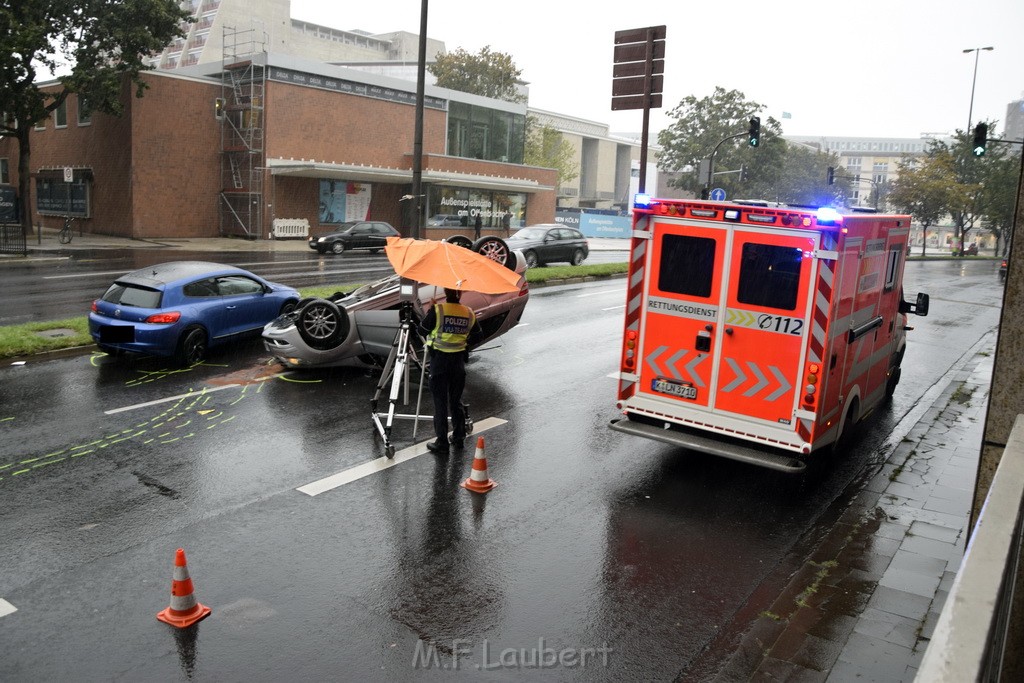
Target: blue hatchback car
182,308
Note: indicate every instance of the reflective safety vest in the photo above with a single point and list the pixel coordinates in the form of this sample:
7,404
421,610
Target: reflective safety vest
451,330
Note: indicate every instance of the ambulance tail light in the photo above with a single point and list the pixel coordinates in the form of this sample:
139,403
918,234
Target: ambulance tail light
811,379
629,353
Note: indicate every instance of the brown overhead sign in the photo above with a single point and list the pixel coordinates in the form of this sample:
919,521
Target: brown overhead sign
637,79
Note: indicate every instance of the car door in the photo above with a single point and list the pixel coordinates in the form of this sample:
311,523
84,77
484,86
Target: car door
378,238
245,304
361,236
205,305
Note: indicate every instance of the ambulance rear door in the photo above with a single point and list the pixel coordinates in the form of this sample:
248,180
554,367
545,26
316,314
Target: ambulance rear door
725,317
766,323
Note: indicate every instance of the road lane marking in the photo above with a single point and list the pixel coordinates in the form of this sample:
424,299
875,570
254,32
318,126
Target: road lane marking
6,608
158,401
367,468
603,291
614,308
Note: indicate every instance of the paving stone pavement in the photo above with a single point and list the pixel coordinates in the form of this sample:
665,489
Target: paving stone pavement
864,606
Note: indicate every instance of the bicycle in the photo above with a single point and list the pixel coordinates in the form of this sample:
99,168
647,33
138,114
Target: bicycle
65,233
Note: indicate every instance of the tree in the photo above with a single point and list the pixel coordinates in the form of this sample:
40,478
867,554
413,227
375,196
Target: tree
967,199
923,190
489,74
546,147
1000,196
802,178
95,44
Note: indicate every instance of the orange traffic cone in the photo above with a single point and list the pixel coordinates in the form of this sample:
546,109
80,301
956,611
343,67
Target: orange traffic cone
184,610
478,481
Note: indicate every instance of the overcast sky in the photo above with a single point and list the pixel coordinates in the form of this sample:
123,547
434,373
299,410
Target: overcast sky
878,68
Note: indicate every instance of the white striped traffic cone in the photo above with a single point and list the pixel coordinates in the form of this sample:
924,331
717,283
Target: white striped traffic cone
184,609
478,481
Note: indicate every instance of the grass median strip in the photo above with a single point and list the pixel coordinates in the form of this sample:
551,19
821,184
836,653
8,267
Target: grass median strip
30,338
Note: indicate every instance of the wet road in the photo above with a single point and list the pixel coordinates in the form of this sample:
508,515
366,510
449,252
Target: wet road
641,560
63,285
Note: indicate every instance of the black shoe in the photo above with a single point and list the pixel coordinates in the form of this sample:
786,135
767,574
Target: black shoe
457,443
438,447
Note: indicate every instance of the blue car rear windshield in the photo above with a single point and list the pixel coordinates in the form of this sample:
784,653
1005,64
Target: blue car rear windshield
132,295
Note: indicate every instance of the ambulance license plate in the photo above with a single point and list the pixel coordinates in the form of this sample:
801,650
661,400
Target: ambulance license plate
667,386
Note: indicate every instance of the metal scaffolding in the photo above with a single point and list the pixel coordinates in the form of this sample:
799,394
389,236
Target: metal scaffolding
240,110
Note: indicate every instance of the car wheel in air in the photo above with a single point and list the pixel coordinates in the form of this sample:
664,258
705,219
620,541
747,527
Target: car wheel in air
531,259
460,241
322,324
191,347
577,257
495,249
337,247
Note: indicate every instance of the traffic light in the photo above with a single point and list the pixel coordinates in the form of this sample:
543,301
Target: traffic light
743,173
980,139
755,131
830,175
218,108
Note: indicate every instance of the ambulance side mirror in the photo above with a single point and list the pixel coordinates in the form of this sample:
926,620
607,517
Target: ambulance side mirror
920,307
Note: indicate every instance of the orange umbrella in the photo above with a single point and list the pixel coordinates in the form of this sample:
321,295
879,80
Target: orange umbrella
444,264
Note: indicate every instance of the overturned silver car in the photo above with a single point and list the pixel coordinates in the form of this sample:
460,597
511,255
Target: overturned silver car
358,328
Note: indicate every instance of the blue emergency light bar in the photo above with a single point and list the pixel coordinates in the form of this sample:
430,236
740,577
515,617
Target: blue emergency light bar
828,216
642,200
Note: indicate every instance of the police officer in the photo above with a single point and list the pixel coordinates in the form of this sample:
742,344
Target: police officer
449,329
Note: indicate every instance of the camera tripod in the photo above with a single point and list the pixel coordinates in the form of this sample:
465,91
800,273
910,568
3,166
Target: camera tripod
397,371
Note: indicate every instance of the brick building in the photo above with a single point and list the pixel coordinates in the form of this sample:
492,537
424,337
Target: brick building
226,149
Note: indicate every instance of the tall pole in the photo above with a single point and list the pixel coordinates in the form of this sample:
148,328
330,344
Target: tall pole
417,144
974,79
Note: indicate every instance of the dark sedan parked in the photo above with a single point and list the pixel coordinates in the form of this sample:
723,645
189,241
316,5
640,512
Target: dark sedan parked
370,235
548,243
181,308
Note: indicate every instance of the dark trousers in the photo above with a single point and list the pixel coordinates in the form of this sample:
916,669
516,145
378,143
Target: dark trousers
447,381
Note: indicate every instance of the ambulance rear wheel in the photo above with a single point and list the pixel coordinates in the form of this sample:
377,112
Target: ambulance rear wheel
843,440
890,385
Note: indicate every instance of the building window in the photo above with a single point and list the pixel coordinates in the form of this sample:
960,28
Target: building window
5,176
488,134
60,115
84,111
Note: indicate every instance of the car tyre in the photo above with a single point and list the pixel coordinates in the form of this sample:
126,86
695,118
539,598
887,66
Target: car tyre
191,347
495,249
577,257
337,247
322,324
531,259
460,241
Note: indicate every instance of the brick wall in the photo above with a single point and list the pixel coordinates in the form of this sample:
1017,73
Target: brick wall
176,177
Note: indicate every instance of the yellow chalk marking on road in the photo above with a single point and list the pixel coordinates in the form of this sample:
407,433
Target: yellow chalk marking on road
299,381
6,419
14,474
218,414
205,412
78,455
48,462
30,460
86,445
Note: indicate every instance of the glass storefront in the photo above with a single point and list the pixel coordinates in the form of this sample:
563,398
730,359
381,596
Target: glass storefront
452,207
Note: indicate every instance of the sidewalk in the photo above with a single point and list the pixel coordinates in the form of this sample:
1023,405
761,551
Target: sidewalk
864,605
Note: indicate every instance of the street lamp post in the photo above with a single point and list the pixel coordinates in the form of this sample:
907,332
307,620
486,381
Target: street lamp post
976,51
